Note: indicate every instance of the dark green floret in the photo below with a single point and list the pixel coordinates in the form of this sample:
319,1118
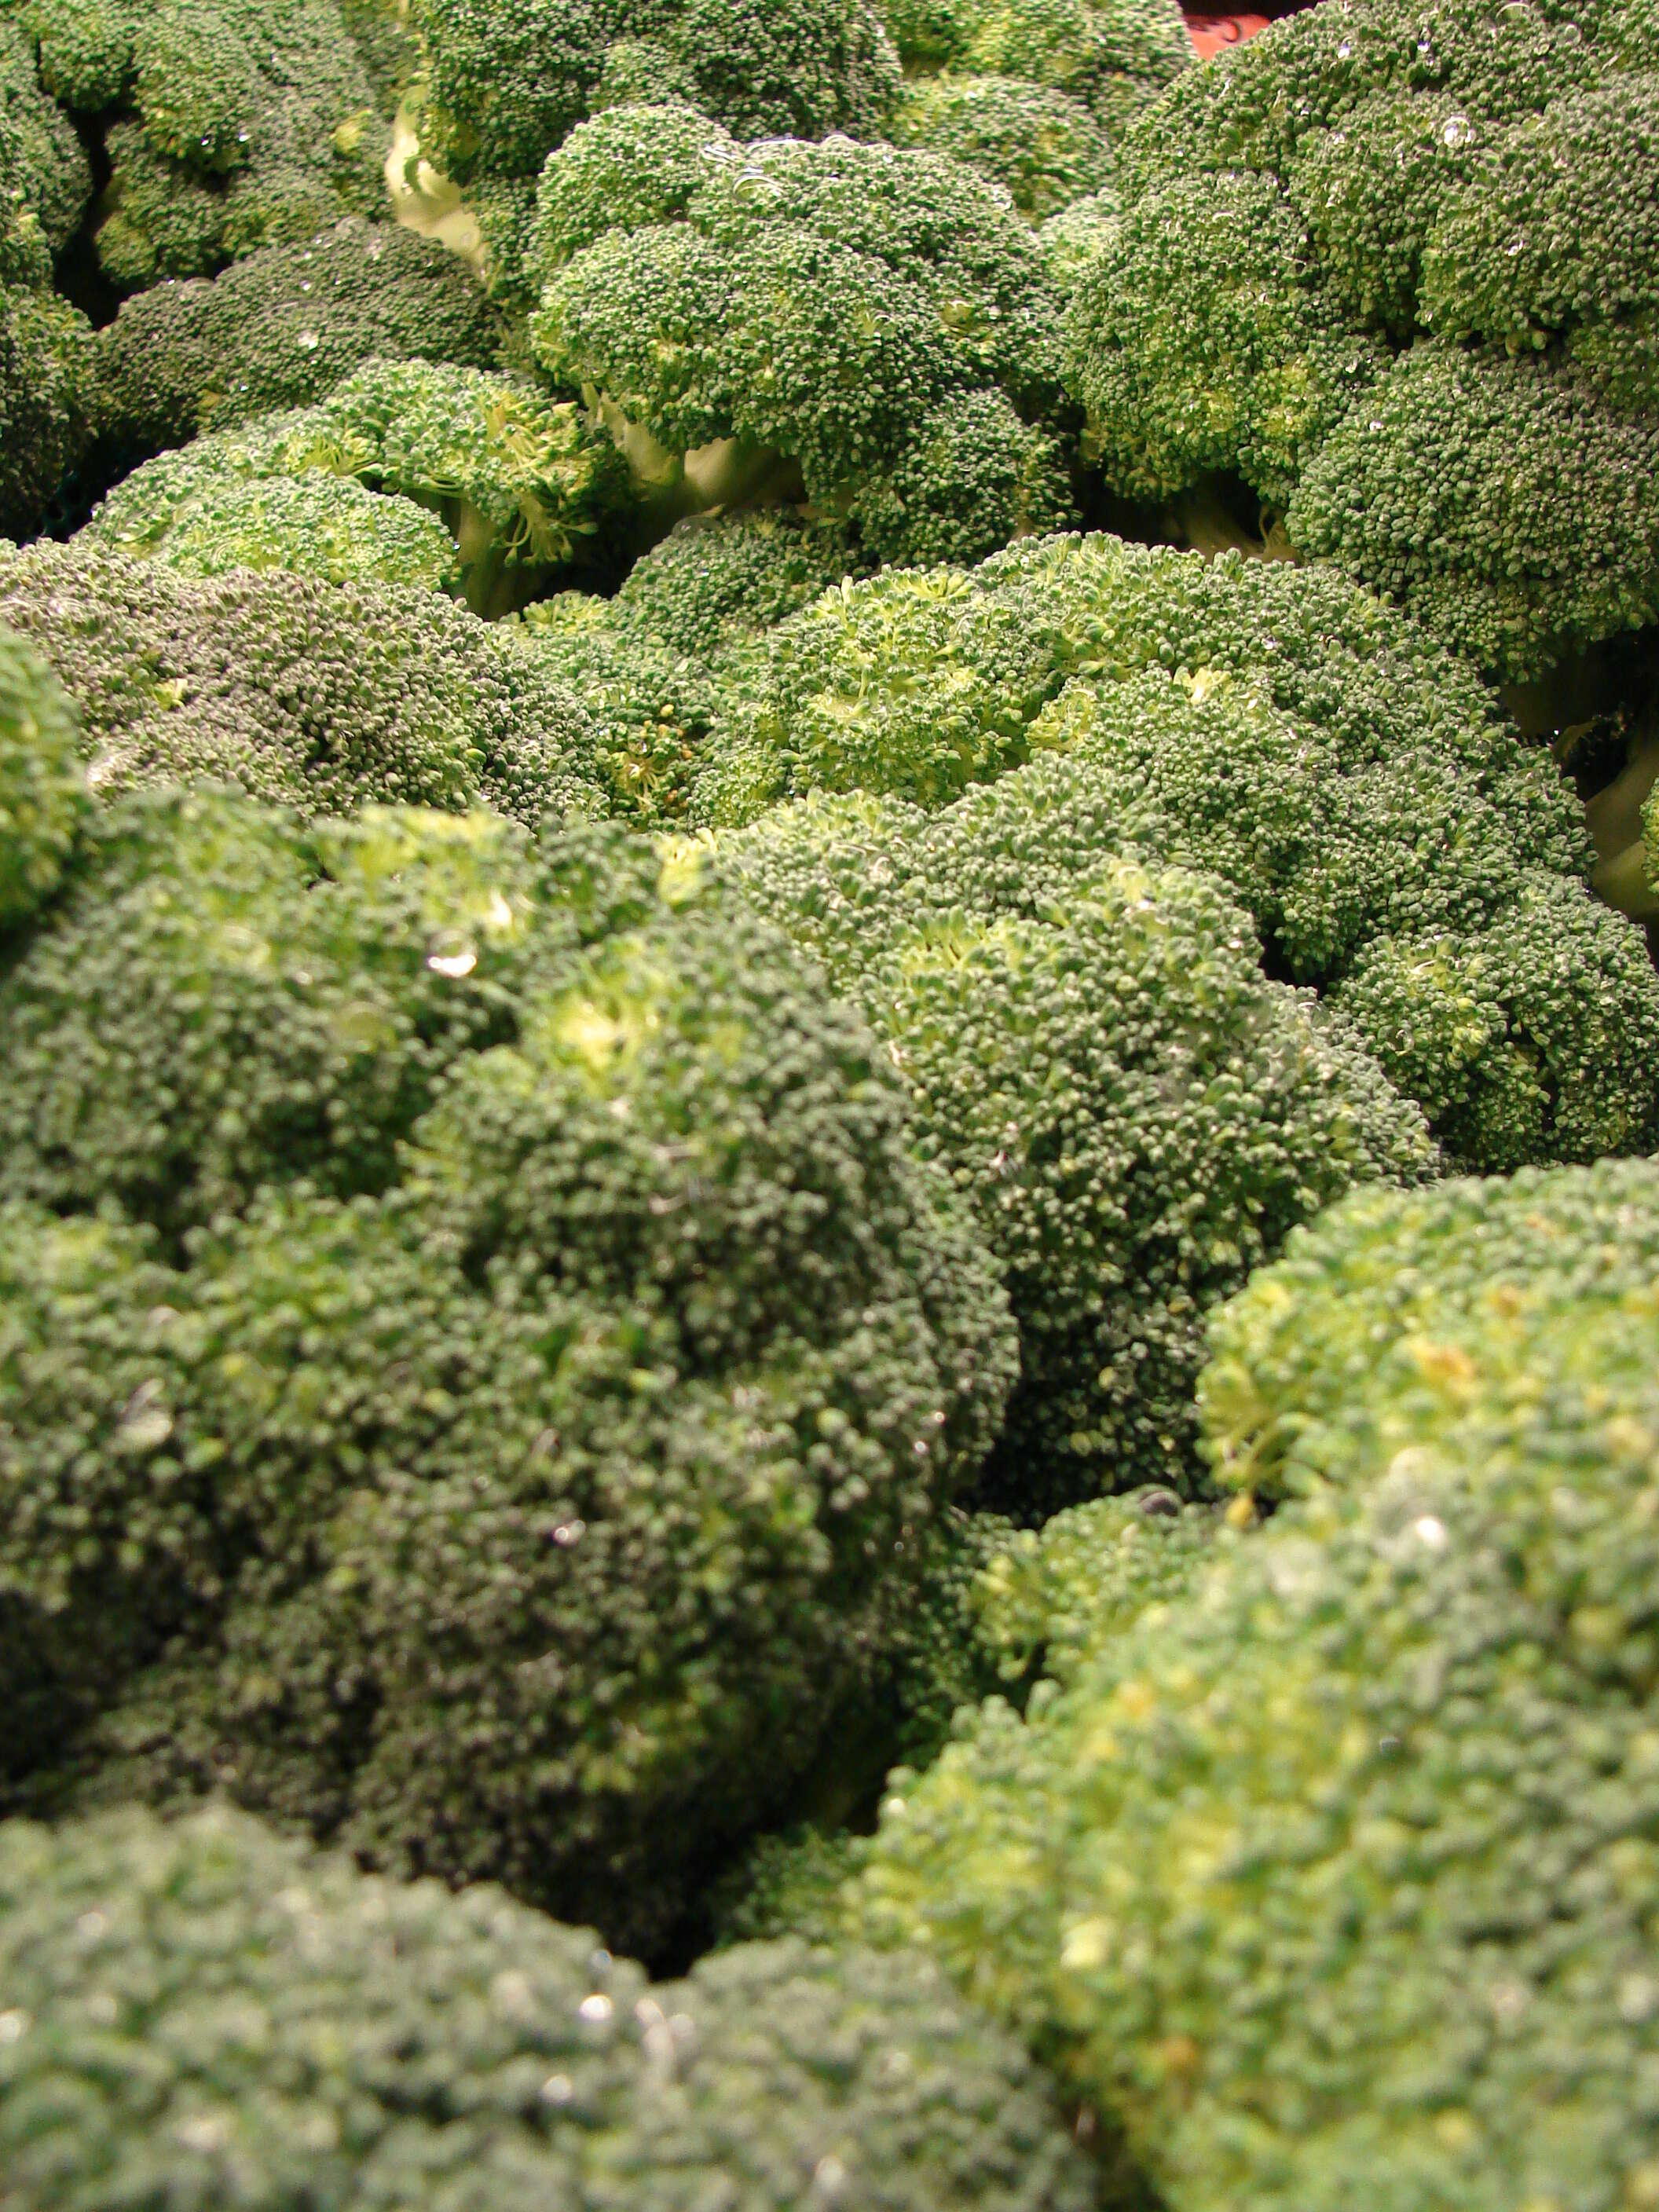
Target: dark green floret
281,329
416,2047
317,695
1338,1864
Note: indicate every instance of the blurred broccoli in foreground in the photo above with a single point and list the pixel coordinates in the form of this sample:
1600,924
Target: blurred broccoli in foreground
414,2047
557,1347
1340,1864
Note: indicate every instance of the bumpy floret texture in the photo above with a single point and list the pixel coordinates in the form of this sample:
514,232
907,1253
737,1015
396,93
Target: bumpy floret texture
1469,184
1136,1113
1340,1865
43,789
870,324
241,124
522,481
505,85
1399,847
320,697
284,328
1043,147
560,1342
1388,1319
418,2047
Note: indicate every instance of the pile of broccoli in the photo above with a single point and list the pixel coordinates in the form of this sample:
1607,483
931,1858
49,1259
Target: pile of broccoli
830,1149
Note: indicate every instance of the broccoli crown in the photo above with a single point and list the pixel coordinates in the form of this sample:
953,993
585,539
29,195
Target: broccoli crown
240,124
43,167
1369,178
1043,147
1110,54
1338,1864
1070,239
1454,460
317,695
506,84
560,1343
418,2047
281,328
43,791
1398,847
1137,1115
869,320
1391,1319
521,480
717,581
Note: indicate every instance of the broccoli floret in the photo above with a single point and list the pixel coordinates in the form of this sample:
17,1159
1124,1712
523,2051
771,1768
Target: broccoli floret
536,1473
43,788
717,581
1338,1865
1503,502
319,696
1112,55
1399,848
506,84
1043,147
43,165
1071,239
267,2022
281,328
1136,1113
1335,241
521,482
790,1883
838,319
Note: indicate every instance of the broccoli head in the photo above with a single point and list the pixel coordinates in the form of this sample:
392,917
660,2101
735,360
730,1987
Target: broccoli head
866,326
560,1347
43,165
1337,1864
1136,1113
1399,846
43,788
504,85
1399,273
1042,146
520,481
317,695
1111,55
416,2047
233,126
281,329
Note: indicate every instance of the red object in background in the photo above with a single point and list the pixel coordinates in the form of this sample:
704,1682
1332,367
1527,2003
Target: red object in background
1210,34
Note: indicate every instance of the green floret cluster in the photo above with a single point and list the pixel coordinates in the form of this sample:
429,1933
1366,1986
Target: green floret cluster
283,328
504,84
1398,272
436,2050
314,695
229,126
43,791
1337,1863
1136,1115
491,1429
1033,93
1397,847
867,328
409,472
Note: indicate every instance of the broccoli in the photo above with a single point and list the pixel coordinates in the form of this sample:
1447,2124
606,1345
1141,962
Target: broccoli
1136,1113
505,84
233,126
522,483
1399,847
560,1345
316,695
1398,273
1111,55
201,2012
46,343
1043,147
43,791
1337,1866
1069,240
867,327
283,328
